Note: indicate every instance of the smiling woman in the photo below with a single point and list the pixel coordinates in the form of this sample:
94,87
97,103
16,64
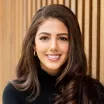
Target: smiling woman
52,67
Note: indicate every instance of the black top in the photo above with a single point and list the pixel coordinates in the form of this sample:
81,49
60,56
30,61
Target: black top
47,90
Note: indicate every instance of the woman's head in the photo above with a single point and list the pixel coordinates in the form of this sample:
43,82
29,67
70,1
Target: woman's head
65,29
68,19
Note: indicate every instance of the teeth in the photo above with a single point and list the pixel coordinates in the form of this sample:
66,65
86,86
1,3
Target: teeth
53,57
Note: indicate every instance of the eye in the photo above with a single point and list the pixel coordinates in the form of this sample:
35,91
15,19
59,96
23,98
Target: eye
44,38
63,38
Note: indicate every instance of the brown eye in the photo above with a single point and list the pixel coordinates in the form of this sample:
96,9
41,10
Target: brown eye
44,38
63,38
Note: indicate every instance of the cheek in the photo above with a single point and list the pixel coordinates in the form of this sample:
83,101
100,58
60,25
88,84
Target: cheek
65,48
40,47
37,46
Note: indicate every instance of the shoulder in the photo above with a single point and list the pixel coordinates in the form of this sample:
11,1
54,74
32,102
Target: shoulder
11,94
10,89
93,89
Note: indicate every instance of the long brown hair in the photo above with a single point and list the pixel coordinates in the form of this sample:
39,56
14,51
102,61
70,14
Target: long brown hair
75,68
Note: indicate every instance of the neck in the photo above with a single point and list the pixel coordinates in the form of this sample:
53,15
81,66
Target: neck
52,72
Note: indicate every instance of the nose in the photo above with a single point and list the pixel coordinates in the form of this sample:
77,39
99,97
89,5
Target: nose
53,46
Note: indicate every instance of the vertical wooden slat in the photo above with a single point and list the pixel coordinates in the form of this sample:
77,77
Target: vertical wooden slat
34,6
7,42
76,6
67,3
1,46
86,32
25,16
90,37
98,39
44,2
55,1
94,39
83,20
102,42
13,56
17,29
39,4
79,15
21,23
61,1
49,2
73,7
21,26
29,12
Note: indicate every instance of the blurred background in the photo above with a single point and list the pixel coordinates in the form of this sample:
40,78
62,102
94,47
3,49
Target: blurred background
15,18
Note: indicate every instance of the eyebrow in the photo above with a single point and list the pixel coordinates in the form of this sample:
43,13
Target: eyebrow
59,34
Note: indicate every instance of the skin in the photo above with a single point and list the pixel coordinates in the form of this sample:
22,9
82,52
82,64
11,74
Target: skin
52,45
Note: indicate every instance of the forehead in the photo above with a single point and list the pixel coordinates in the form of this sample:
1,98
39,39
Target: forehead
52,25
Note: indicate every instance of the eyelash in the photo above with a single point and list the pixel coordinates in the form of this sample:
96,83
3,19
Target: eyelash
60,38
63,38
44,38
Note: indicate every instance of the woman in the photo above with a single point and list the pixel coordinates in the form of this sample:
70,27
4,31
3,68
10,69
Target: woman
52,67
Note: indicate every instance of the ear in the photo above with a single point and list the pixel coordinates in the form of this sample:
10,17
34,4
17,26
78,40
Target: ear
34,48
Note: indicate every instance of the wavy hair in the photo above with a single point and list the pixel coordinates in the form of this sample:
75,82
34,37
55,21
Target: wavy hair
75,68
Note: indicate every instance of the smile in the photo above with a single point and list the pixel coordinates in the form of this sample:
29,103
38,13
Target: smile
53,57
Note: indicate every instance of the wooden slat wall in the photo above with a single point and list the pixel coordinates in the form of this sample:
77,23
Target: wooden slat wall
15,18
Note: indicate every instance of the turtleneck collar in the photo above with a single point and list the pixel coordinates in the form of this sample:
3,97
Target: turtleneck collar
46,78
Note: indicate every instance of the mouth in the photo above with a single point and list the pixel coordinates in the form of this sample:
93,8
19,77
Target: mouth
54,57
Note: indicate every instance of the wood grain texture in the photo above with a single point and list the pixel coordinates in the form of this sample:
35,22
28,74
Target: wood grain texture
15,19
102,42
94,39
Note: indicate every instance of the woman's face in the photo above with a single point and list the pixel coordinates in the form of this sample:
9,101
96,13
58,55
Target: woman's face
52,45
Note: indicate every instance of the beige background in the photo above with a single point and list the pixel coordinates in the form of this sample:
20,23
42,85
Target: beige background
15,18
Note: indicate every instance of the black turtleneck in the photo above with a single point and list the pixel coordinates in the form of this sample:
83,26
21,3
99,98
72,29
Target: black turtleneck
47,90
90,87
